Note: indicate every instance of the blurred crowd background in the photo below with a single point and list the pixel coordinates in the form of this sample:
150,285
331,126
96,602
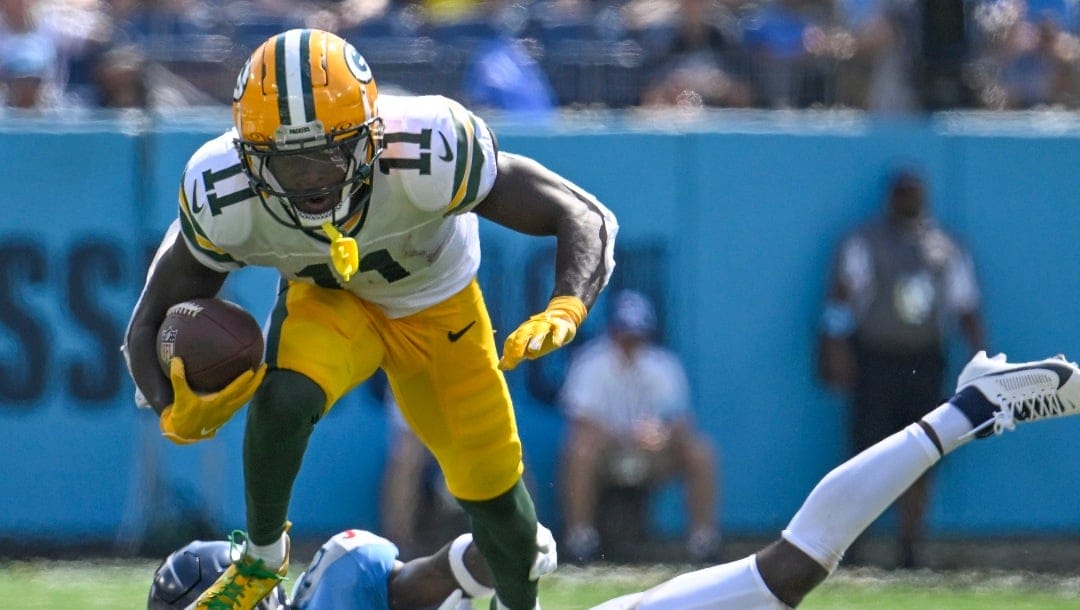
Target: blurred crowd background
538,56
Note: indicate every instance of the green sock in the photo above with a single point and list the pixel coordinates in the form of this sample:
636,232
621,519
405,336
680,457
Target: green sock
504,529
280,420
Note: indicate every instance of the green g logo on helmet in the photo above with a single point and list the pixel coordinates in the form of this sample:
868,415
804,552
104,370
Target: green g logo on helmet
357,65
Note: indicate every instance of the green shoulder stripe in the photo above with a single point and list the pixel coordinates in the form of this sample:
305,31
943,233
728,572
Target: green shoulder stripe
195,234
477,166
470,160
204,245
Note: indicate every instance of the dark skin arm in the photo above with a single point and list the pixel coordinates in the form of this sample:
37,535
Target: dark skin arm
426,581
177,277
531,199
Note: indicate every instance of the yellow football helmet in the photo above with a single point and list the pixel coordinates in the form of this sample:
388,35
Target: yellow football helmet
306,114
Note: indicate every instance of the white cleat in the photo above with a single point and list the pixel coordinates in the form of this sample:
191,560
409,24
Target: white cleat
1023,391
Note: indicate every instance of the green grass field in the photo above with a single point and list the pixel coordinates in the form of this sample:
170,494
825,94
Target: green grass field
84,585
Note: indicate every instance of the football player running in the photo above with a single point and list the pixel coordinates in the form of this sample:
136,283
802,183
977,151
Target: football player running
992,395
368,207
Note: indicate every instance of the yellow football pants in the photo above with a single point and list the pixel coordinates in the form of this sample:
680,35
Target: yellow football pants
442,367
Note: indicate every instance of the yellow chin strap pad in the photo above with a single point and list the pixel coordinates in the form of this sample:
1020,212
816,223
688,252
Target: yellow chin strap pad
343,252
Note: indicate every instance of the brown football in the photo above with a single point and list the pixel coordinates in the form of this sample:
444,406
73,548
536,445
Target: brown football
216,339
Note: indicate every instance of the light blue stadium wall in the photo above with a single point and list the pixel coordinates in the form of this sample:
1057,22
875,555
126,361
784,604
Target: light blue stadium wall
741,214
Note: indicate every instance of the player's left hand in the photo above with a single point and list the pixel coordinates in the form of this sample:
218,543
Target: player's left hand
543,332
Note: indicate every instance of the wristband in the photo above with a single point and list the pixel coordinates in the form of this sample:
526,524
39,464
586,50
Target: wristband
464,578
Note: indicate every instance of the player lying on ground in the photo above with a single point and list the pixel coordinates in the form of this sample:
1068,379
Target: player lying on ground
991,396
354,570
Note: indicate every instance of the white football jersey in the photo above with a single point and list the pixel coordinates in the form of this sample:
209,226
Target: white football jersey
418,244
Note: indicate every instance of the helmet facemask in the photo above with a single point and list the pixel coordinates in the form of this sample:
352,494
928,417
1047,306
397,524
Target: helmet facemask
313,180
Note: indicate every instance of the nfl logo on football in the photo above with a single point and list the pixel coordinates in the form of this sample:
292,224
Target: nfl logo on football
167,345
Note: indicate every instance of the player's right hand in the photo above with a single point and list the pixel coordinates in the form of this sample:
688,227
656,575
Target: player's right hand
193,417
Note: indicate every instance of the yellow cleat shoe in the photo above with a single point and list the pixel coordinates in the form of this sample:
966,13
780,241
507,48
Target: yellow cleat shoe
245,583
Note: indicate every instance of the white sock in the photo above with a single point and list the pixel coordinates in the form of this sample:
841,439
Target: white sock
855,493
273,554
951,426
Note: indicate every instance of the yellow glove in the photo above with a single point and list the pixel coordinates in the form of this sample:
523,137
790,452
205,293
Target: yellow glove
544,332
194,417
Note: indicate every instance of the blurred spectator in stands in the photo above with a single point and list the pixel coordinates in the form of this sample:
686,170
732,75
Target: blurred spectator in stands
585,52
29,57
945,54
879,73
501,74
1025,54
79,29
897,286
694,60
454,11
786,41
351,13
124,78
1037,65
1037,68
627,401
251,22
185,36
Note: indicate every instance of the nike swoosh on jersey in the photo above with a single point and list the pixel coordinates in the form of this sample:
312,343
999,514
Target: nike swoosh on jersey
447,155
195,207
454,336
207,431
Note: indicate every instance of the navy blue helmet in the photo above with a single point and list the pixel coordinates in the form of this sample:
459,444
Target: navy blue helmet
189,571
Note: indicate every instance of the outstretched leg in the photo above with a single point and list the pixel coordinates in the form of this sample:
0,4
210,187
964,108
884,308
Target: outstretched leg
845,502
992,396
